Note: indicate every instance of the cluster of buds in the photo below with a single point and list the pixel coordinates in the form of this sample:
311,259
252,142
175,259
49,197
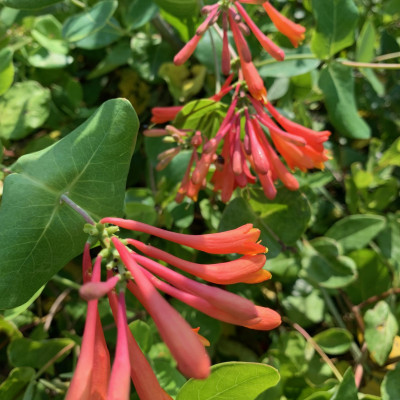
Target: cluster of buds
133,271
253,132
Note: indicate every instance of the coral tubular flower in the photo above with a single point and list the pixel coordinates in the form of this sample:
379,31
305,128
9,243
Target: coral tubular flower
91,375
142,375
119,386
222,299
164,114
187,50
268,45
192,358
242,240
222,273
293,31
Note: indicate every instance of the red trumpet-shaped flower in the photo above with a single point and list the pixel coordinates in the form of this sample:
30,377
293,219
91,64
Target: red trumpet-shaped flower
293,31
127,269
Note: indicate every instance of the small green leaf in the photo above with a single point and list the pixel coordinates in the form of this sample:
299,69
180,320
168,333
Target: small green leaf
6,69
337,83
23,108
34,353
139,13
47,32
29,4
356,231
16,382
204,115
142,334
287,215
347,389
366,42
233,381
107,35
390,388
373,276
88,22
140,205
269,67
9,329
91,165
392,155
117,56
14,312
179,8
42,58
334,340
380,330
323,264
336,22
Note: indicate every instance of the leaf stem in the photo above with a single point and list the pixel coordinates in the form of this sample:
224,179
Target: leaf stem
77,208
369,65
388,56
317,348
332,308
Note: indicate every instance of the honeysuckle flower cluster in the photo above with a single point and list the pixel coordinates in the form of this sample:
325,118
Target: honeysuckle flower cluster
253,137
136,270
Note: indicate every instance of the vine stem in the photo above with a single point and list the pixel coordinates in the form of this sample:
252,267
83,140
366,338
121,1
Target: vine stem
369,65
355,350
64,198
317,348
348,63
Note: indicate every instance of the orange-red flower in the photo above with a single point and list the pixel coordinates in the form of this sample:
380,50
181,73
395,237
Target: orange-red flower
293,31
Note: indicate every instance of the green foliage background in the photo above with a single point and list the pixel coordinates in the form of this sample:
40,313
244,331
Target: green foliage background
334,246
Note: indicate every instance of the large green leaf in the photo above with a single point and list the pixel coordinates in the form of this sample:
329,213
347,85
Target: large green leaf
39,233
336,22
29,4
90,21
233,381
23,108
337,83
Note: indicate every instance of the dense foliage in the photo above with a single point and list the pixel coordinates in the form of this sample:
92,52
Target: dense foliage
334,244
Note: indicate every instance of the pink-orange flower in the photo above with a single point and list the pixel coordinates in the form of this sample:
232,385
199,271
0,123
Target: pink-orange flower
293,31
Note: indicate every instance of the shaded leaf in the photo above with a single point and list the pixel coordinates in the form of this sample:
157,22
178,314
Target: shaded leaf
23,108
17,380
356,231
337,83
336,22
88,22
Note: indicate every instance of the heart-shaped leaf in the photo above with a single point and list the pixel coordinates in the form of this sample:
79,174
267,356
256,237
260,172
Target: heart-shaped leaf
39,233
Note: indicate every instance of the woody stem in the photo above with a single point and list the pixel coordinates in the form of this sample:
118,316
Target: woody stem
64,198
